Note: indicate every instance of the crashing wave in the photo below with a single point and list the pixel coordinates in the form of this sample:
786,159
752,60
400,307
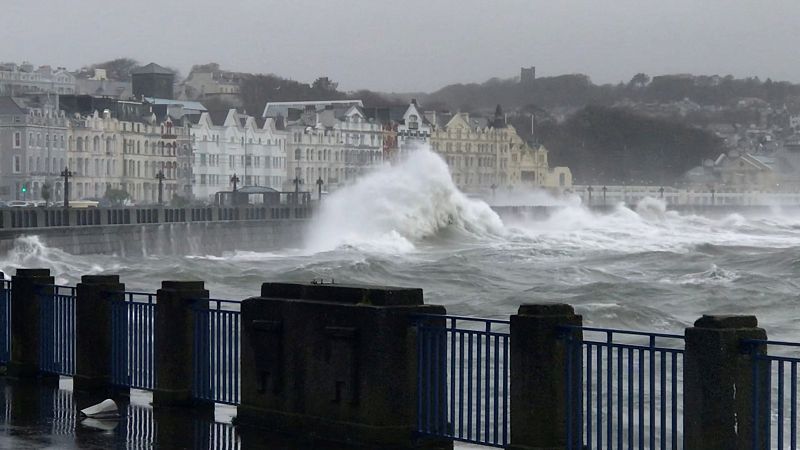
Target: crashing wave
395,207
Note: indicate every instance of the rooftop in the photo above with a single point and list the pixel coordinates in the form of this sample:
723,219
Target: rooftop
187,104
275,109
151,68
11,105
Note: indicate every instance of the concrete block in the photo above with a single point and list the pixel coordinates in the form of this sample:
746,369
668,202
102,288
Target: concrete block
332,362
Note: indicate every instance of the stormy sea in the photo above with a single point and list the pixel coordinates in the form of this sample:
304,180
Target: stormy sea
641,267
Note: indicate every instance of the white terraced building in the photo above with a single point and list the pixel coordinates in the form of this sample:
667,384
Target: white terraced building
226,143
333,141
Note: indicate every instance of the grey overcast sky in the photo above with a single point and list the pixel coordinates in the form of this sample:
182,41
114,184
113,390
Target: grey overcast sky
413,45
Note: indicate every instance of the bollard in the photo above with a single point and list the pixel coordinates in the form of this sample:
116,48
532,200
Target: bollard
543,390
718,384
94,295
174,341
28,284
336,363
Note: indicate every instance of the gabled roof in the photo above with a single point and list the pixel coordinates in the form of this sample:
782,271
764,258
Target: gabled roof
150,69
414,109
459,119
355,110
231,118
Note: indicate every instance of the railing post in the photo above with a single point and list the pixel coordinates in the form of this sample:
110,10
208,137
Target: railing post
719,376
93,331
5,320
174,339
546,363
28,284
333,361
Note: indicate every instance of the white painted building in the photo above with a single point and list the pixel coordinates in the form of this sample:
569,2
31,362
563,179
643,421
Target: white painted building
23,79
332,141
414,130
228,143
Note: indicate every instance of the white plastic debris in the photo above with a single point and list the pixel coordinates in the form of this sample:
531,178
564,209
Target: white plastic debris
107,409
100,424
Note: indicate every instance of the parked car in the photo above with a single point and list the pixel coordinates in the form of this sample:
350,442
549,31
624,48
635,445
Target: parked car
18,204
3,204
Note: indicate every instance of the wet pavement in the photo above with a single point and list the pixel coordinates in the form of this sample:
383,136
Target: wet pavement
45,416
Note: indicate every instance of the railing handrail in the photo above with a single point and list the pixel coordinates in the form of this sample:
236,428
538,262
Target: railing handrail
216,304
221,300
466,318
135,293
56,285
627,332
769,342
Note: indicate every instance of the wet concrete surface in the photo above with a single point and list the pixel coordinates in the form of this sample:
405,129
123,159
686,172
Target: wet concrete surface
36,415
45,415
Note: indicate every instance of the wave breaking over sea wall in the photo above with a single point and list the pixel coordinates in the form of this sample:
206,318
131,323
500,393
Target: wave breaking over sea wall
397,206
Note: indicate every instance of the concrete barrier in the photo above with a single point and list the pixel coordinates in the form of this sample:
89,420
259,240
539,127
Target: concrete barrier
332,361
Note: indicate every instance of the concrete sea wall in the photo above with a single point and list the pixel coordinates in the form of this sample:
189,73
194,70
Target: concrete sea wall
160,239
156,231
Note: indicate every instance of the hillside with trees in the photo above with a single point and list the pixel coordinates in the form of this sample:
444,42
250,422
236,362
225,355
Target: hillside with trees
577,90
614,146
256,90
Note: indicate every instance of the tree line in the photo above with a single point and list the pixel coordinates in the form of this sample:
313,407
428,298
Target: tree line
577,90
616,146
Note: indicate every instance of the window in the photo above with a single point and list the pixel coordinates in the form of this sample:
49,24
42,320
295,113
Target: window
17,164
17,139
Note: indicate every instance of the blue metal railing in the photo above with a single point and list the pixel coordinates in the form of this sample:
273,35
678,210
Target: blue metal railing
773,375
631,389
463,379
217,362
132,340
5,321
57,329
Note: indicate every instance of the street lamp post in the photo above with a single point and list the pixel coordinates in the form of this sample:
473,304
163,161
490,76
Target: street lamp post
319,187
235,181
494,190
160,177
605,189
297,182
66,173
